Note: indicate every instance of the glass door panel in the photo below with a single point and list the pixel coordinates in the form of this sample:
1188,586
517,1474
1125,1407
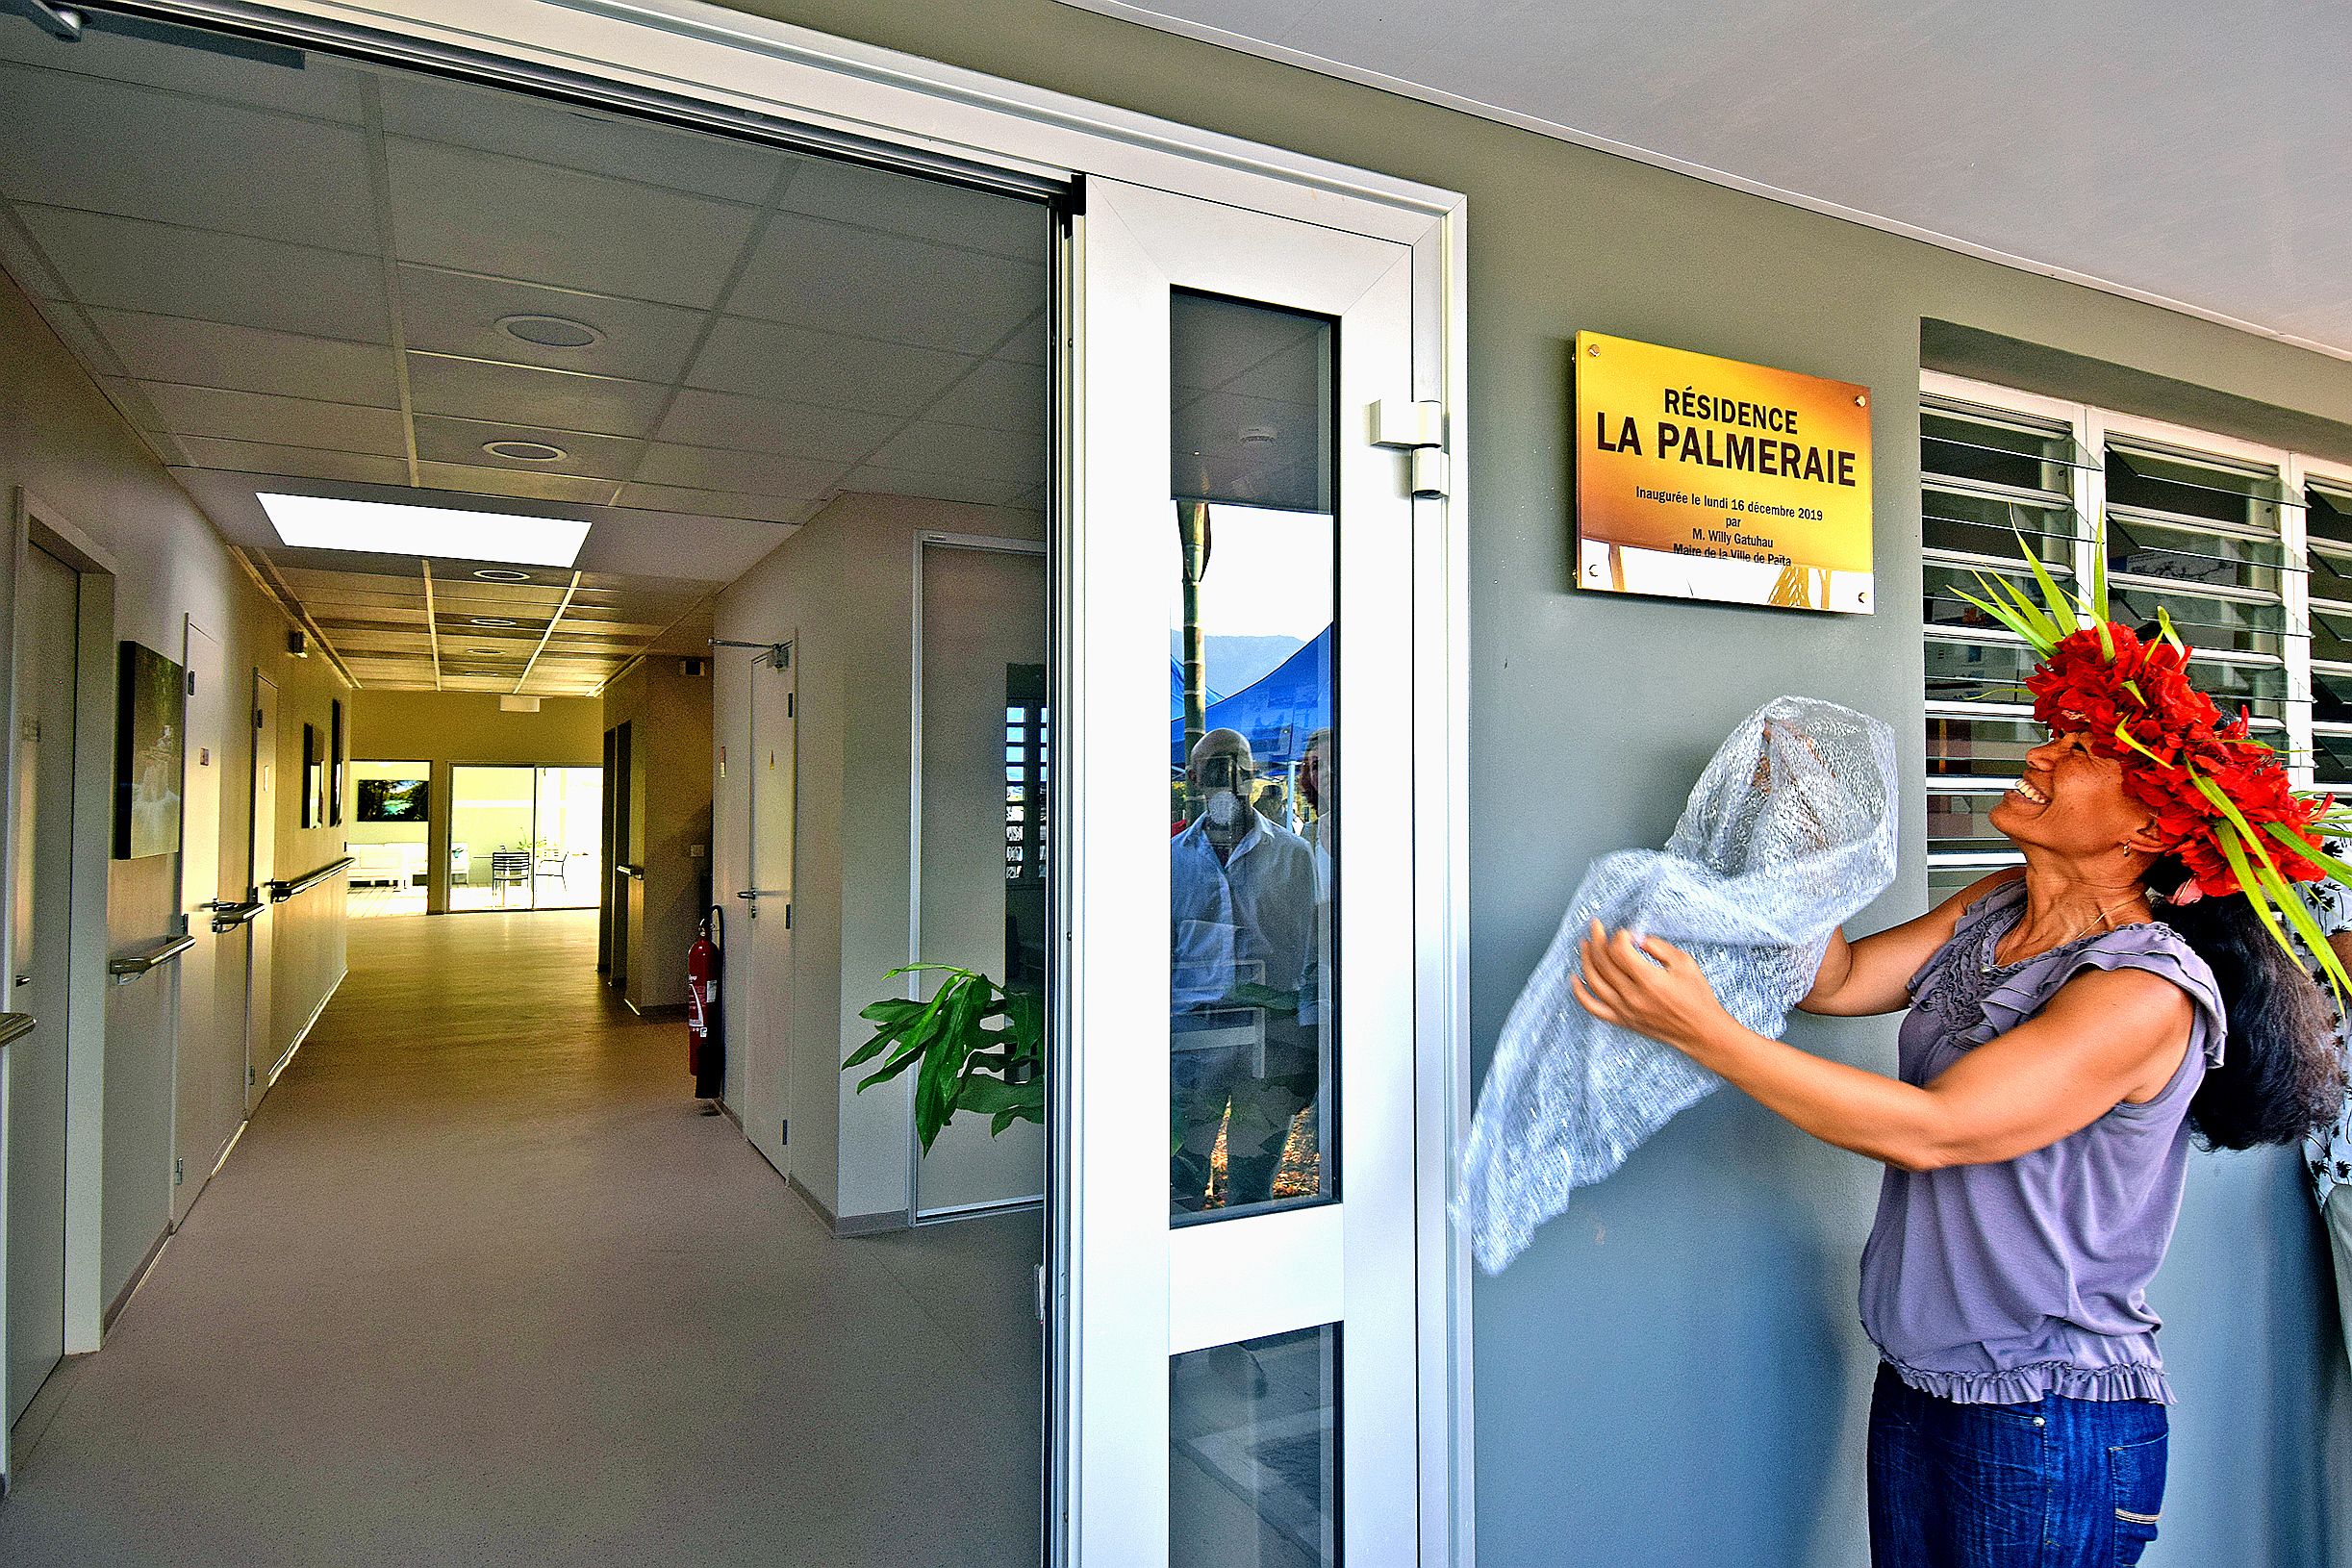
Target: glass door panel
1238,1258
489,837
566,837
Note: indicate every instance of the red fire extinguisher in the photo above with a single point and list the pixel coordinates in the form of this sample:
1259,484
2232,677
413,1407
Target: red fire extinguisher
705,1035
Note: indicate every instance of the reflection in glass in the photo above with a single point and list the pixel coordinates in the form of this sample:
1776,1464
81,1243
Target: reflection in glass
1251,561
1254,1454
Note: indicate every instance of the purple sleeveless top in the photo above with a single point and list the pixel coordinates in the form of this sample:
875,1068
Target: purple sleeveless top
1997,1284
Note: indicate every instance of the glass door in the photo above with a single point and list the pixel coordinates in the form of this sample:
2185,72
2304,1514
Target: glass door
1239,1350
523,838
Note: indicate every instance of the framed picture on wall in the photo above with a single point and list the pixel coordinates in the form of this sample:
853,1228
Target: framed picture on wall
314,778
335,766
150,735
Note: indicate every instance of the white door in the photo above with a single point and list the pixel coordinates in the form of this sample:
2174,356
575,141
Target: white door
48,608
981,877
1237,1239
759,930
209,1065
261,1059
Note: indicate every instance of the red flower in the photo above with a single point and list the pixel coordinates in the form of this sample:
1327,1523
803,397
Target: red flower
2137,706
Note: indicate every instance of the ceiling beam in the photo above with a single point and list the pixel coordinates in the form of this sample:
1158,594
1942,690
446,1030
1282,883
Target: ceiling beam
553,620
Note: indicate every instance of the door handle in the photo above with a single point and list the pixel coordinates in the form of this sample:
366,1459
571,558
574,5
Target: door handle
24,979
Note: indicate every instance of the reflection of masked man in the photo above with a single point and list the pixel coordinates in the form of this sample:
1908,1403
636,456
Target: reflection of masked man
1241,913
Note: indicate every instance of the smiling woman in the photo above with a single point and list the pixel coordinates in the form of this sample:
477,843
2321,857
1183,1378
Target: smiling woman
2063,1045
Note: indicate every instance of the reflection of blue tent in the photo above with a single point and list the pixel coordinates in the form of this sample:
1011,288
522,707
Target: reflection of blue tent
1175,695
1277,712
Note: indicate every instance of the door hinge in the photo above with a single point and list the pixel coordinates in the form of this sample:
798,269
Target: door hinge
191,683
179,1171
792,704
250,1079
32,729
784,1132
1418,429
1041,1293
257,719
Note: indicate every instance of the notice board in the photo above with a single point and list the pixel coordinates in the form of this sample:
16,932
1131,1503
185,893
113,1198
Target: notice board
1705,478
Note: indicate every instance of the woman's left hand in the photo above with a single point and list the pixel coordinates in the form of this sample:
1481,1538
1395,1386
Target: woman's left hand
1648,985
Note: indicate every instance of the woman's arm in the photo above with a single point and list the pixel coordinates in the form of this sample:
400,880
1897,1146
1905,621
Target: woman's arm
1870,976
2105,1037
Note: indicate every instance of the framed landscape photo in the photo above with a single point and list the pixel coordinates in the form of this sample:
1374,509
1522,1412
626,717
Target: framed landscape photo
150,739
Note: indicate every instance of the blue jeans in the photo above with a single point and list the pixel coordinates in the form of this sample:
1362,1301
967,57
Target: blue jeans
2056,1484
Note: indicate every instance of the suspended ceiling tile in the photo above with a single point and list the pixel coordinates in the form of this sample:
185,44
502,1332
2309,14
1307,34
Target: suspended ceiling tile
932,448
294,461
135,265
449,312
111,147
838,278
716,503
938,486
480,212
350,640
759,424
484,480
26,264
925,209
998,396
489,119
769,360
1027,346
443,440
553,399
247,359
1223,342
720,467
321,89
288,421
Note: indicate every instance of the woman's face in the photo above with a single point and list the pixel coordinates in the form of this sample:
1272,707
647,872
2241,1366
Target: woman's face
2070,800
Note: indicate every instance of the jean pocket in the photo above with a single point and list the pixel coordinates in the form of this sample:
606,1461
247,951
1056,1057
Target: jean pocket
2136,1483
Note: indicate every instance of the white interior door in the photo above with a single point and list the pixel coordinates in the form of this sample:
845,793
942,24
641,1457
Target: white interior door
48,611
759,934
260,1061
981,882
209,1065
1240,1351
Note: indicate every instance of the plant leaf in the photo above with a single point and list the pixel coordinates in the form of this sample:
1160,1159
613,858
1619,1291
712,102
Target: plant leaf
2060,605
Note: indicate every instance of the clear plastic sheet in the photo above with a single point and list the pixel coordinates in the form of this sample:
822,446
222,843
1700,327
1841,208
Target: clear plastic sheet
1789,833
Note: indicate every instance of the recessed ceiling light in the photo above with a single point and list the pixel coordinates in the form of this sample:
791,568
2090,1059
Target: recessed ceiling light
325,522
526,451
494,652
494,620
499,575
549,331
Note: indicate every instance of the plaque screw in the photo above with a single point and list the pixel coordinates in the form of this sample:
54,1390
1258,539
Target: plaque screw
1593,350
1861,400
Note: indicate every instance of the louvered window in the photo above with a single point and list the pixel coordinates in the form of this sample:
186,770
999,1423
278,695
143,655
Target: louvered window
2208,531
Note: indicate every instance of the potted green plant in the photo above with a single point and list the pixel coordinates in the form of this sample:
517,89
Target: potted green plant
974,1046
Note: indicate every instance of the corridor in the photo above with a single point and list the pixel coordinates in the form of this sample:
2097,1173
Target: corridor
479,1286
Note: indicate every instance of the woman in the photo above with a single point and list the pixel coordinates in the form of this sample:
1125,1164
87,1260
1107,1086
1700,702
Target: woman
2064,1041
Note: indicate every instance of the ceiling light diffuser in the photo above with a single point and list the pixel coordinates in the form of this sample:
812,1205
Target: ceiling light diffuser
325,522
549,331
502,574
526,451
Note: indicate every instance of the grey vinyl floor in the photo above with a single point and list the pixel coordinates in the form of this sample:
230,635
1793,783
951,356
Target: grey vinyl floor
479,1286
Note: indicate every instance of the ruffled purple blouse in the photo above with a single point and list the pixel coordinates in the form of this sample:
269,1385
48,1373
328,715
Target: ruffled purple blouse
1997,1284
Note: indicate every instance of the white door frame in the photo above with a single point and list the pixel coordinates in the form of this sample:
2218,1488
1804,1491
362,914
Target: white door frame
700,63
36,523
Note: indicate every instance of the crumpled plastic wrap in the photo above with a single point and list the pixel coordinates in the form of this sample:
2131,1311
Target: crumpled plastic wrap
1789,833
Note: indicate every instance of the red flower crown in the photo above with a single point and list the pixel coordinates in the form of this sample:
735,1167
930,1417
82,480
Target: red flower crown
2220,798
2135,705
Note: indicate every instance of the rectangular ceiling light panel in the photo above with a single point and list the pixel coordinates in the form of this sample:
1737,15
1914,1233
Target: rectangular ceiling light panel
323,522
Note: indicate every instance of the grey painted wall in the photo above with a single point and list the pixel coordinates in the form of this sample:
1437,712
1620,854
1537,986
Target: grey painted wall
1674,1374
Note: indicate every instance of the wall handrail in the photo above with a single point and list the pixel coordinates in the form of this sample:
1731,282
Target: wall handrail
130,966
228,914
16,1027
285,888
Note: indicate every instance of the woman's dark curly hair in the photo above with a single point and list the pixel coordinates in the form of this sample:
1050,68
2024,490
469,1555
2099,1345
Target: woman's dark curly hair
2281,1074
